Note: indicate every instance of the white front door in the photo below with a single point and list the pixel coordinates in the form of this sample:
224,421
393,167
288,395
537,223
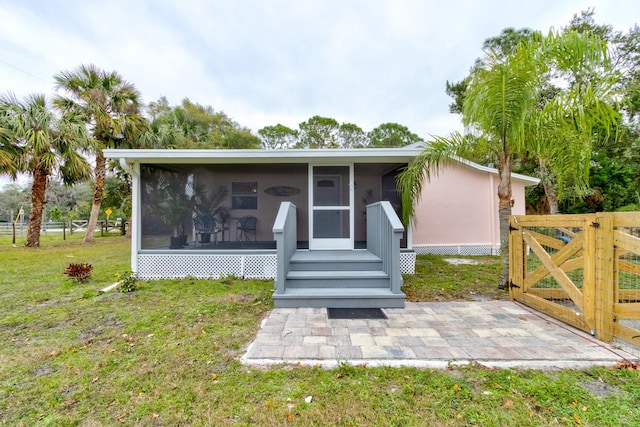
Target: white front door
331,207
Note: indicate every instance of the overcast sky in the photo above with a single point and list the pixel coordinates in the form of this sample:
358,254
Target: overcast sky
269,62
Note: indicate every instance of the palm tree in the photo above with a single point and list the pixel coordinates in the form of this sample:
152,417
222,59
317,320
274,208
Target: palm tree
579,115
500,96
507,116
111,108
42,145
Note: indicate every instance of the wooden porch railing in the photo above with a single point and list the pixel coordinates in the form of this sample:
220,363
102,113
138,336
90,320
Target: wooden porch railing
286,237
384,232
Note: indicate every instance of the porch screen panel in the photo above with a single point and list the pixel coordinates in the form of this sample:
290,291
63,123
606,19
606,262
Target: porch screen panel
167,195
331,202
175,197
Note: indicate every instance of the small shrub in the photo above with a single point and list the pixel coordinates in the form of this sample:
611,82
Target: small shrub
128,282
79,273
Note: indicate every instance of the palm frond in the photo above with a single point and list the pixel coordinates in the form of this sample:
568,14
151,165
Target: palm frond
106,102
500,94
438,153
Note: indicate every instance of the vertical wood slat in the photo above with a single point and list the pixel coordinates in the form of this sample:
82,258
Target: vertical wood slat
604,303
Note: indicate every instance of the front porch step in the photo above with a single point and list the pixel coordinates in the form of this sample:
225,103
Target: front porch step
340,260
337,279
339,298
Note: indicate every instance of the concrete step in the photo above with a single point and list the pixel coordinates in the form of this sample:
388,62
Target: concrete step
339,298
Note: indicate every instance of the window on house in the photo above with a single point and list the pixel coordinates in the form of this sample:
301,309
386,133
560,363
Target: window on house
244,195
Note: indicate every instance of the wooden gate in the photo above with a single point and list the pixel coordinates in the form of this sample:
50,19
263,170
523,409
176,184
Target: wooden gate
581,269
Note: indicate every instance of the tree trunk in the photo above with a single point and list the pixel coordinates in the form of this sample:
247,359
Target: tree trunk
98,194
550,186
504,212
38,191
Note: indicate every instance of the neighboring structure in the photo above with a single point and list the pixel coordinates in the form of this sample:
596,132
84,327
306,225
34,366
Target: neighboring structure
333,214
458,211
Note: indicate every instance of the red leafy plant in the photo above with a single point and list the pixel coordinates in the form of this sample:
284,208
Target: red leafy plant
80,272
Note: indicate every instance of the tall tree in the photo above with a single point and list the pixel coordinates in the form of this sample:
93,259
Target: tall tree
318,132
580,112
12,197
351,136
500,95
502,45
46,144
194,126
627,58
391,135
111,108
278,137
510,112
325,132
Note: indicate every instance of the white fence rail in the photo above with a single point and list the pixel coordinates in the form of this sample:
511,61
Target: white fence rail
64,227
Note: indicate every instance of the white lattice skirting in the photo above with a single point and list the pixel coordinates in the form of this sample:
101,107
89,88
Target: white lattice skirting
456,250
408,262
206,266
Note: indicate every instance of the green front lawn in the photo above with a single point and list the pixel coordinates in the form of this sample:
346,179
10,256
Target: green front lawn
166,355
439,280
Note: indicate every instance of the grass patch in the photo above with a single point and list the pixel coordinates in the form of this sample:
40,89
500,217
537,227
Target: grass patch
166,354
438,280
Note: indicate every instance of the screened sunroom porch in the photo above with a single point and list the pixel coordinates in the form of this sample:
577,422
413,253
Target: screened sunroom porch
213,213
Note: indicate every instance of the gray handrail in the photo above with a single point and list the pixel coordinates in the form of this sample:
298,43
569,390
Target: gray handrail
286,237
384,232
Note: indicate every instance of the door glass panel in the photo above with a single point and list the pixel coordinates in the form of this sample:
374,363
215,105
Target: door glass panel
331,224
331,186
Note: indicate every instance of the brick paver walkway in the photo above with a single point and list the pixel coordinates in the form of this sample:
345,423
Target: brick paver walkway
432,334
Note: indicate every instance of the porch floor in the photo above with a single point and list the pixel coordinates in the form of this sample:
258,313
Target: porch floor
432,334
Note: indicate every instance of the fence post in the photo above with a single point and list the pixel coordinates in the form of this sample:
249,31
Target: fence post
64,230
13,226
589,288
604,291
516,258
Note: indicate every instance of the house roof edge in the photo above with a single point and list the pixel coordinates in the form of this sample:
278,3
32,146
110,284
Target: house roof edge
291,155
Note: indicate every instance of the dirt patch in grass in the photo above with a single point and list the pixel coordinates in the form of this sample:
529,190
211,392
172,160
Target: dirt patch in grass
239,298
600,389
464,261
42,370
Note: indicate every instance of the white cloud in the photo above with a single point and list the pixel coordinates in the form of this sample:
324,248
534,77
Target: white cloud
263,63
